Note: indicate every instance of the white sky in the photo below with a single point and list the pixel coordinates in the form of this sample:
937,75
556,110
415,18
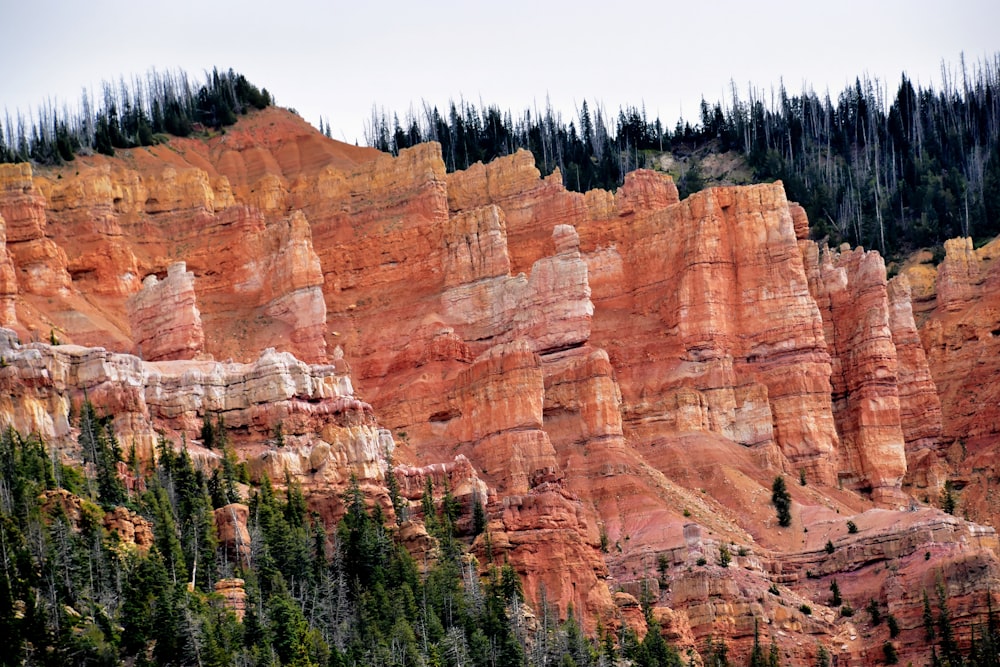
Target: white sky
338,59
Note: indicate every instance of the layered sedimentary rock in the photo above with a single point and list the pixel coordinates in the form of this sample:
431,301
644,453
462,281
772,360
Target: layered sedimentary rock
919,405
234,595
961,337
234,535
718,303
959,315
164,317
850,287
8,281
132,531
616,377
41,263
326,432
99,229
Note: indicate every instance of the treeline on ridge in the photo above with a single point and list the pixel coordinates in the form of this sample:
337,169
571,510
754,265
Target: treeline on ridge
129,115
889,171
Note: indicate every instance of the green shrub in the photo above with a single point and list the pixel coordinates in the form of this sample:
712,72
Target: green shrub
724,556
782,501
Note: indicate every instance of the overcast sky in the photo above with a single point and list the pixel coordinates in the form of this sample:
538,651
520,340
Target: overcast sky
337,59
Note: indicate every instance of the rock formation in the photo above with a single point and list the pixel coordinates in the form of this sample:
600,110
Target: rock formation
617,377
164,316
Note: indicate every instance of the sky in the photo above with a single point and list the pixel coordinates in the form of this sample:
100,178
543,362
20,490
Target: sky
339,60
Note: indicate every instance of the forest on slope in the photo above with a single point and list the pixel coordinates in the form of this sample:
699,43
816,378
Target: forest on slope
72,591
888,169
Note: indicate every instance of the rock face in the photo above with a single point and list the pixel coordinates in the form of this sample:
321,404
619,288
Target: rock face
959,315
851,288
234,596
617,377
328,433
164,316
234,535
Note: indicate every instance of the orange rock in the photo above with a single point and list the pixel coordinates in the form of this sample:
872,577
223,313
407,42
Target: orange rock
234,536
957,275
919,404
8,282
618,377
164,316
850,288
132,530
234,596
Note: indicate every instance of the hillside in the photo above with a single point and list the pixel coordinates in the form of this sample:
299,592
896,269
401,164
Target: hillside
617,378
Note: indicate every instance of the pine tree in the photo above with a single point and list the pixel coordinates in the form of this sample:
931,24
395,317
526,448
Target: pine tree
479,519
782,501
100,449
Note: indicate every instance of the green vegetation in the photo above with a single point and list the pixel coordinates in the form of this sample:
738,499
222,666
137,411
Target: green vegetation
757,655
128,115
949,502
893,625
874,613
890,654
835,598
782,501
892,168
72,593
725,556
349,594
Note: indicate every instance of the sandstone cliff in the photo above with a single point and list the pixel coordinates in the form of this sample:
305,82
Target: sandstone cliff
618,377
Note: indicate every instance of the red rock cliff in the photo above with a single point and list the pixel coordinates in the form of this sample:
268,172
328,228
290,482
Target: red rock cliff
618,376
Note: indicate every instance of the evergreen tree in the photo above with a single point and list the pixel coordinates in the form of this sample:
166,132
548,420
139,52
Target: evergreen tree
782,501
100,449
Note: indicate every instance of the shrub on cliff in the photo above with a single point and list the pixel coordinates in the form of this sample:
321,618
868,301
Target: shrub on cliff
782,501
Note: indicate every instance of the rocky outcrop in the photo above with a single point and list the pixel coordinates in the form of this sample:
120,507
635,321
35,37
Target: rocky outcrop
617,377
850,288
164,317
41,263
708,316
234,596
8,282
500,418
959,327
957,276
132,530
544,534
233,533
327,432
919,404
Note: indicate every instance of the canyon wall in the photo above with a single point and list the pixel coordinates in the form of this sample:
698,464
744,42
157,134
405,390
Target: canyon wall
618,377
